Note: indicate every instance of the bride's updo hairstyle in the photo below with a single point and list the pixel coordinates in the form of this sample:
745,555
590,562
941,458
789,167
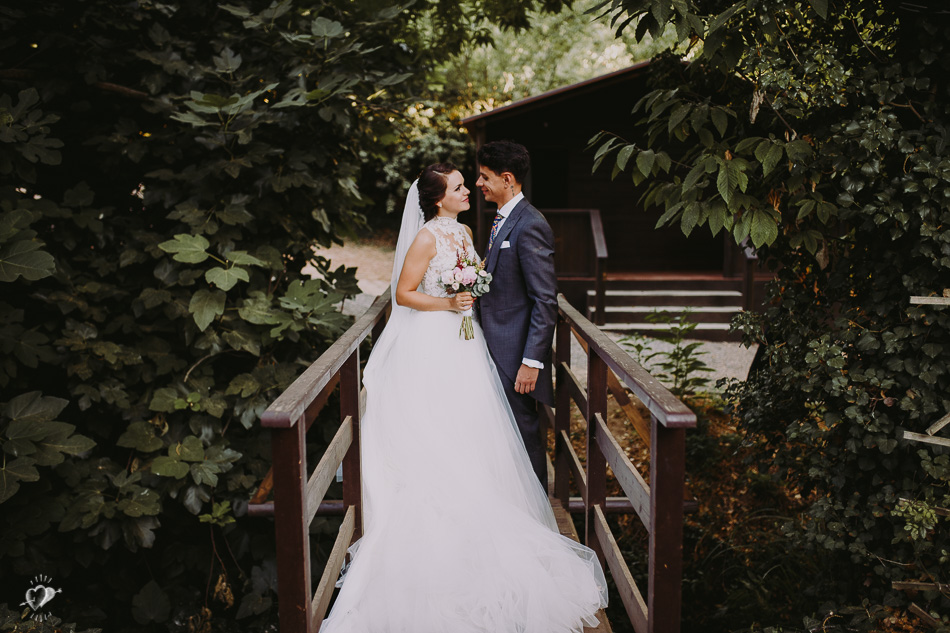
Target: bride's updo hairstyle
432,184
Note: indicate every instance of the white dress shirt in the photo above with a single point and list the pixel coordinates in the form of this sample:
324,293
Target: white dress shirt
508,207
504,212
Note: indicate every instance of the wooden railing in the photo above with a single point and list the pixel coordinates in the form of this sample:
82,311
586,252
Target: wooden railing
659,504
742,256
751,260
299,498
598,256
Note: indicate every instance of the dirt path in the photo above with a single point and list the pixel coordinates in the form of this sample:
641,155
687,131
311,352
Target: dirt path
374,262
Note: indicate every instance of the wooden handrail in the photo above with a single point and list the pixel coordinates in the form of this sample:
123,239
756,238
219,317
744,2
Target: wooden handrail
600,255
298,498
290,405
659,505
664,405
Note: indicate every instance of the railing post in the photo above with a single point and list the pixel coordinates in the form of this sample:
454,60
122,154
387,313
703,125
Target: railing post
599,301
596,463
562,412
350,407
748,284
292,533
667,471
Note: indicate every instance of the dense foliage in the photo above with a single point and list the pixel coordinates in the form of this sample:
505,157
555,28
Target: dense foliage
819,131
167,169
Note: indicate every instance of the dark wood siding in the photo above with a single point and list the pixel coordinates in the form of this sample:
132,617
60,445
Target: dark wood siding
556,130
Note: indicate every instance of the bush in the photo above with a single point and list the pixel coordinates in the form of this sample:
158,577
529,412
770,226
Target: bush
164,187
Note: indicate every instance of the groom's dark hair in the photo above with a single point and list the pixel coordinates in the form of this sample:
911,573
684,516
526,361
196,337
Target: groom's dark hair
502,156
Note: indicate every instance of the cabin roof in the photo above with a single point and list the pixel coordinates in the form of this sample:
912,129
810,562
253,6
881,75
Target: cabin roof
558,94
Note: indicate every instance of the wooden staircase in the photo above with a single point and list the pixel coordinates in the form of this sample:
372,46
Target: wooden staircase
712,301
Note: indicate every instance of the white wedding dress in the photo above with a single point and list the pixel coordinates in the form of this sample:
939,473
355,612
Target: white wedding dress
459,536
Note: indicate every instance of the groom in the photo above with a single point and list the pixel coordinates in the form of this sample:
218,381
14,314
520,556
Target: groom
519,313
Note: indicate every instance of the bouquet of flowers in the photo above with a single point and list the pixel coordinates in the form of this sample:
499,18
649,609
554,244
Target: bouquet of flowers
467,275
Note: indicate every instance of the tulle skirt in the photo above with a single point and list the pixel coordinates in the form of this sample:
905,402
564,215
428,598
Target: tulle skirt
459,536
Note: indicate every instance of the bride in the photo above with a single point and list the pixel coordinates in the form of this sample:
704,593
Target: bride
459,536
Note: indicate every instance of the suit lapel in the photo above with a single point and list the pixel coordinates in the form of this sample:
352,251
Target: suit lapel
503,233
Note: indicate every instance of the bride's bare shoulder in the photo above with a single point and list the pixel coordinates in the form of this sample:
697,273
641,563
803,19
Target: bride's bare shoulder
424,241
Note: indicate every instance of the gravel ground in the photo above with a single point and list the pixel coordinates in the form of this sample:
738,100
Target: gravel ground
726,360
374,262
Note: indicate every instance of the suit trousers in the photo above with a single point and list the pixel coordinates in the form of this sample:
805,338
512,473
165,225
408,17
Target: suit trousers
527,416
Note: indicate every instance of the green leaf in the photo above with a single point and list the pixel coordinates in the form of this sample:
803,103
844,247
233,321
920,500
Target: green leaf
169,467
820,7
23,258
770,158
65,442
226,278
141,437
9,484
190,450
163,400
322,27
692,178
34,407
241,340
720,120
243,258
720,20
798,151
257,309
645,161
624,155
244,384
716,218
764,229
679,113
602,153
189,249
23,469
227,62
205,305
205,473
150,604
726,181
144,502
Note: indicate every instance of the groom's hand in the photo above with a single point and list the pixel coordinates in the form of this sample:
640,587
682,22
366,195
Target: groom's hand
526,379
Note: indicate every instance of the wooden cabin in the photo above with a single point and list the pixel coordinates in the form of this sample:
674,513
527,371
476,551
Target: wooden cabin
637,262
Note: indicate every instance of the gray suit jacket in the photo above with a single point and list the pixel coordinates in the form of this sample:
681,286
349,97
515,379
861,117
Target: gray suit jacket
519,313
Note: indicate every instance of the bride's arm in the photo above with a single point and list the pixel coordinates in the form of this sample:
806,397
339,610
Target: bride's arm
413,269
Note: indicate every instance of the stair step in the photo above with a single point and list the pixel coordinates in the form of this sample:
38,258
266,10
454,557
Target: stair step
703,331
679,284
724,327
694,317
672,298
670,308
666,293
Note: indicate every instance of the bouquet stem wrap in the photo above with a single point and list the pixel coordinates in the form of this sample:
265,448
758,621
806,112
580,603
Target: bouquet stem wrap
467,331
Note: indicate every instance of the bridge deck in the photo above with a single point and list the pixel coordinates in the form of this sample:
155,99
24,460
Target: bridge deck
566,526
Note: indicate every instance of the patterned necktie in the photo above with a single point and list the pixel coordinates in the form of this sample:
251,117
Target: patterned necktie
494,229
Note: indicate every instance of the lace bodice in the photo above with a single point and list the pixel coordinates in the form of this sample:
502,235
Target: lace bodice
450,239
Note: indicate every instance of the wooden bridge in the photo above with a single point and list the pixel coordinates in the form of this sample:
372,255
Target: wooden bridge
299,495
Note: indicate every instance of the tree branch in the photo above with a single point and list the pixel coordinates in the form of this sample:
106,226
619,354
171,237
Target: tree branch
19,73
